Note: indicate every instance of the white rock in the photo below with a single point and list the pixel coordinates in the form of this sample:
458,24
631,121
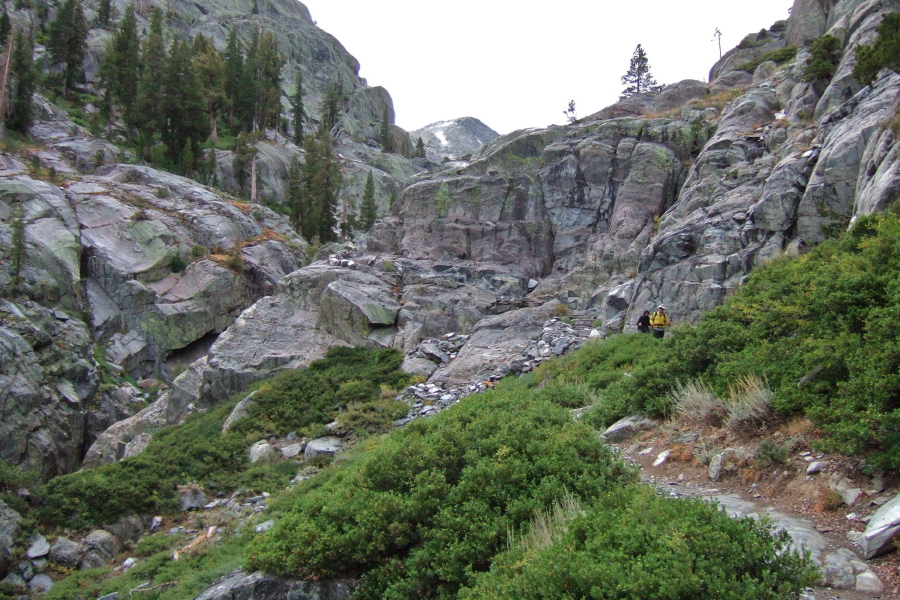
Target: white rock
260,450
129,562
663,456
869,582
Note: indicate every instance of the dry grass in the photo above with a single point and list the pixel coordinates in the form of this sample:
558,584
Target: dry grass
547,526
719,100
828,501
750,404
696,402
798,426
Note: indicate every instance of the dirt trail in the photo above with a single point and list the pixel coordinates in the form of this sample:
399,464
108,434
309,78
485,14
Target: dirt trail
800,503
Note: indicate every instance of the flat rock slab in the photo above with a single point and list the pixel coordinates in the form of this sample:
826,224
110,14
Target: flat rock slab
882,529
259,586
841,568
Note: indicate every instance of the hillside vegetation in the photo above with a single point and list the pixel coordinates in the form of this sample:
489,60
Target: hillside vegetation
821,329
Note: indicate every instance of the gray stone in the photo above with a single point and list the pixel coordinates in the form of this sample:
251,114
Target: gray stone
293,450
627,428
869,583
264,527
41,583
881,530
9,533
38,546
662,458
192,498
67,553
326,446
816,467
14,580
103,544
241,410
259,586
112,596
261,450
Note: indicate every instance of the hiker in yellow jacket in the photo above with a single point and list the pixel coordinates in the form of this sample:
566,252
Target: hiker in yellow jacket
659,321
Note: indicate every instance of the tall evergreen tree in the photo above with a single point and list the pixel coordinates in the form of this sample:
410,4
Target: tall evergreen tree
386,135
233,72
299,111
638,79
5,26
23,83
183,110
248,88
321,183
420,148
332,103
368,210
68,43
125,64
149,115
210,68
104,13
299,210
269,62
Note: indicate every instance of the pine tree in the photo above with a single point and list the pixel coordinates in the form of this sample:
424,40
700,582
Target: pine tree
104,12
299,210
299,111
210,69
332,103
234,69
23,83
638,79
5,26
183,110
368,210
149,115
68,43
386,135
245,152
321,181
248,89
269,63
124,62
420,148
17,223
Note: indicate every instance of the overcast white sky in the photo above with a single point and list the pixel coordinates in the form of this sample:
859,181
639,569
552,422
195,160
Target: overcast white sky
517,63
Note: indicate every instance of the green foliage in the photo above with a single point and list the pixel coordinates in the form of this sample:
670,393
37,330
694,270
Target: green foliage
770,453
884,53
177,264
633,544
638,78
17,249
823,60
299,111
368,210
197,450
423,510
821,329
780,56
68,44
315,195
24,81
386,135
303,398
442,201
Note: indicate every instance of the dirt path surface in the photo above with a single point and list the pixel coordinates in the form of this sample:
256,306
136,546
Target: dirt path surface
805,505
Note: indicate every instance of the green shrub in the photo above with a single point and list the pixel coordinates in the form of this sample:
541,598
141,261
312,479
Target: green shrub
196,450
780,56
770,454
823,61
635,545
177,263
885,52
425,508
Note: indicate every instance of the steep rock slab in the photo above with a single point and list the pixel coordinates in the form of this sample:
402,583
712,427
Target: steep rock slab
495,343
847,136
360,313
51,265
47,376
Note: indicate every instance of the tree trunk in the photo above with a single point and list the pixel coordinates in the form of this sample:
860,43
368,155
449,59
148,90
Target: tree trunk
4,86
253,179
213,129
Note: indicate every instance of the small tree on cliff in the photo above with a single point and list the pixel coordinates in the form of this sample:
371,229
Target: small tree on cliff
638,79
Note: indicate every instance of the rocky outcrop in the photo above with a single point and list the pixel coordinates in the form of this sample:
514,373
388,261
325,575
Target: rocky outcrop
453,139
259,586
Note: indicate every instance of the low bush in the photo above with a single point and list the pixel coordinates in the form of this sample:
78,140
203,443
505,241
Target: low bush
423,510
197,450
750,403
825,54
883,53
780,56
696,402
634,545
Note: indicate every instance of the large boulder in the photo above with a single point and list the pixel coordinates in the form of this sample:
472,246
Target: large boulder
9,534
259,586
882,529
